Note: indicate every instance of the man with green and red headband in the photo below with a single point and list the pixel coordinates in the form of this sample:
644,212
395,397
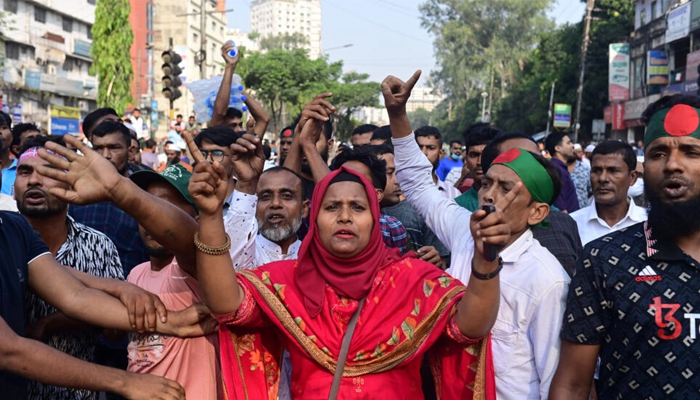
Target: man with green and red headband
634,298
533,284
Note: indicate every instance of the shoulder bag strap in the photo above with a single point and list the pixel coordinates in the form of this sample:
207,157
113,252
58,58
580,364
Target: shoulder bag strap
340,366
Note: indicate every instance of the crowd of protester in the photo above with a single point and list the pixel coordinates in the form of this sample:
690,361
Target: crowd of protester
407,266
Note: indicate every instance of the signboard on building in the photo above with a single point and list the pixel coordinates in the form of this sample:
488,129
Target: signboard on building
695,15
635,108
618,117
619,72
678,23
657,67
672,90
562,116
607,115
691,66
65,120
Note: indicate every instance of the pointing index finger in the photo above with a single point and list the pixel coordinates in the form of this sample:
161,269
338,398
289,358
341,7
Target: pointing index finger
411,82
194,150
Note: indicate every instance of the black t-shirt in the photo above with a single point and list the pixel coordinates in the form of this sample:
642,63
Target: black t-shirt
637,296
19,245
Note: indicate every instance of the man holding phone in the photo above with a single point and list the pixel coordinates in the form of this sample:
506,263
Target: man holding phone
533,283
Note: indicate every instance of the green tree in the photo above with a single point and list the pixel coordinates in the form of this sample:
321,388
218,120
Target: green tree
350,93
420,117
112,40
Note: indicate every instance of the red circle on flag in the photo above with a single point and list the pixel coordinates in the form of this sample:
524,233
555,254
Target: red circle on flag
508,156
287,133
681,120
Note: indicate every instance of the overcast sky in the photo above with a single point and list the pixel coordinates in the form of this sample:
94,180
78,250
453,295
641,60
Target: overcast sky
386,35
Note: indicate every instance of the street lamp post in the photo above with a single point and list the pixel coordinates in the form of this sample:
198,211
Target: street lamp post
484,117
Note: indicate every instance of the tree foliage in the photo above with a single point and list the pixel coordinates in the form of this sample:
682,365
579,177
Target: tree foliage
112,40
286,80
286,41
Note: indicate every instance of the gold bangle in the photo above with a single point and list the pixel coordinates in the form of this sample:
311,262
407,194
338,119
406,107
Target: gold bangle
212,251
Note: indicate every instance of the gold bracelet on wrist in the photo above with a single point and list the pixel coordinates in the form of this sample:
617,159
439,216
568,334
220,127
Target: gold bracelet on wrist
212,251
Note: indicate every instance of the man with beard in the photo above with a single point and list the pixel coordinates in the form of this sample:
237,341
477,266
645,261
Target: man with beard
72,244
193,361
112,140
561,148
613,173
173,154
633,299
429,140
476,138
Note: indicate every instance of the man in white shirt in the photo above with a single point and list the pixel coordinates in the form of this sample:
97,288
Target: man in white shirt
613,172
533,283
138,124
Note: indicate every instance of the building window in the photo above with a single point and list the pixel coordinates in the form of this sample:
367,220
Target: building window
39,14
11,6
195,37
93,2
68,65
89,32
67,24
654,14
12,51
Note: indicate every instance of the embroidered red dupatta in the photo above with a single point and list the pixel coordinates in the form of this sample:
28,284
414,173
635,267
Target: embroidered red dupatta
404,317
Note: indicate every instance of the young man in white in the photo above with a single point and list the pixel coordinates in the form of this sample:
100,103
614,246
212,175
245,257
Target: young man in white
533,283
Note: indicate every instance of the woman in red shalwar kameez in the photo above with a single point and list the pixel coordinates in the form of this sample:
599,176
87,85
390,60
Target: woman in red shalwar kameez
411,308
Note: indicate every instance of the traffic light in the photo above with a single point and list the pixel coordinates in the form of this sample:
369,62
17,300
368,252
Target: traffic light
171,73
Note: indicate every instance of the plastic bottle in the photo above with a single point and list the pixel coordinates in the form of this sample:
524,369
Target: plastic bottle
205,91
232,53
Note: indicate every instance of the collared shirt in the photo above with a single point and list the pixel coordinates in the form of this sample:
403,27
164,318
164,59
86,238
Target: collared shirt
20,245
533,282
567,200
138,125
581,176
119,227
91,252
469,199
8,179
7,203
636,295
591,226
448,189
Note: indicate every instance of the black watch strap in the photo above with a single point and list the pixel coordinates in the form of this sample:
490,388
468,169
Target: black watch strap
490,275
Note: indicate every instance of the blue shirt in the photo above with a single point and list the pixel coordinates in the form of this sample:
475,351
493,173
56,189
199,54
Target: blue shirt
8,179
636,295
446,165
19,245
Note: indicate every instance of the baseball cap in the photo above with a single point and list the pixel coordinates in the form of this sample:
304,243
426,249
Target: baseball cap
590,148
175,175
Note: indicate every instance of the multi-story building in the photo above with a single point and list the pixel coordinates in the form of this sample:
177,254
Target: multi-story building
142,52
279,17
423,97
179,23
47,59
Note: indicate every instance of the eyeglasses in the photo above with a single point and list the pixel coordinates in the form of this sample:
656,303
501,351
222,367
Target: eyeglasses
216,155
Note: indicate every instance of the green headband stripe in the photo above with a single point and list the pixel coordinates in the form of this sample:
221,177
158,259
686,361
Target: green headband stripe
678,121
535,177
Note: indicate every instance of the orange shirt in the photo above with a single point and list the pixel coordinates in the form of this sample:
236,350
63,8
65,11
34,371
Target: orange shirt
191,362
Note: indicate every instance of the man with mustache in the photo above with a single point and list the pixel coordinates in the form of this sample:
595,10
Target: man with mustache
613,172
634,299
476,138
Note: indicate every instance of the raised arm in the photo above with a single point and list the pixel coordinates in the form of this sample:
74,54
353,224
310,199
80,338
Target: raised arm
94,179
261,117
414,172
36,361
319,110
224,95
222,292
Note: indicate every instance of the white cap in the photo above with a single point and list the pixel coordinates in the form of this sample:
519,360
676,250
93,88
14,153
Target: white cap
577,146
590,148
174,147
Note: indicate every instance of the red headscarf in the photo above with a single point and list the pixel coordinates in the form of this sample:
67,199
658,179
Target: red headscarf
351,277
